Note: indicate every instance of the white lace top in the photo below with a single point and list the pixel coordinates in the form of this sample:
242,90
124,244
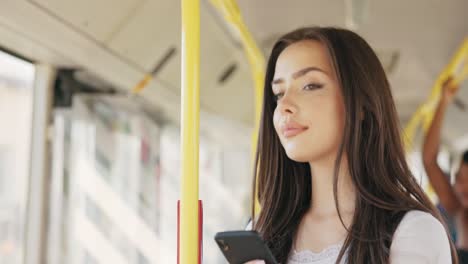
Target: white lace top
328,255
420,238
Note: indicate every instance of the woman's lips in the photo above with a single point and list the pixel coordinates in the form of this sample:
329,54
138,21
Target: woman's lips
291,130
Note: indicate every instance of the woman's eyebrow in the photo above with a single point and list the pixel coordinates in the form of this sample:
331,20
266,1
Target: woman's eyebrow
299,74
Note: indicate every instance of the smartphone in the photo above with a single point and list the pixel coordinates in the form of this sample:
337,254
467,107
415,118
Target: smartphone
240,247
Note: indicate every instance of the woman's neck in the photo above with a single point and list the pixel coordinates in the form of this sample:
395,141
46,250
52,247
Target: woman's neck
323,200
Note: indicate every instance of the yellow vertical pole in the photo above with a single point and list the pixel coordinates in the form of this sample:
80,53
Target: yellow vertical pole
190,110
259,76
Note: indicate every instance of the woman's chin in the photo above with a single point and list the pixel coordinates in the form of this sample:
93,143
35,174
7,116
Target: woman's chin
297,156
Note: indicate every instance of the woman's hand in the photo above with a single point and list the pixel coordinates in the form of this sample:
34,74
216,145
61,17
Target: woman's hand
449,89
255,262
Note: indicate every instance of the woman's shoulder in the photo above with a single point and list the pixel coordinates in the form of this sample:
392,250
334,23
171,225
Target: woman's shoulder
420,237
420,222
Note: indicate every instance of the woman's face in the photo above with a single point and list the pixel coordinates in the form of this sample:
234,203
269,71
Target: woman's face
309,116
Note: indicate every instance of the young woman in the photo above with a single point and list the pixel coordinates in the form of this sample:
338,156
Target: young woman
333,182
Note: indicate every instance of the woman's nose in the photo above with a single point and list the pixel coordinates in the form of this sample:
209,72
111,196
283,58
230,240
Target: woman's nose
286,105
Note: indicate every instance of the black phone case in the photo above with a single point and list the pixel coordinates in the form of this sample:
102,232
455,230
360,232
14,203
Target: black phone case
242,246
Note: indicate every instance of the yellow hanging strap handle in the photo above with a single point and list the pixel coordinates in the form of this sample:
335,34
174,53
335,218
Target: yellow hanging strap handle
230,10
190,122
458,69
142,84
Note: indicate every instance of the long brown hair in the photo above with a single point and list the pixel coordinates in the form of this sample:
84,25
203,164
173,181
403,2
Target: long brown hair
385,187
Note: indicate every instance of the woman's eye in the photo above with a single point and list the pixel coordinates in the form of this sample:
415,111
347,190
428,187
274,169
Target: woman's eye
313,86
278,96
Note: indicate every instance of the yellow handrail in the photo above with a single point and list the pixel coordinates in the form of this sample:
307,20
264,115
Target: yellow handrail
458,68
231,13
190,122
